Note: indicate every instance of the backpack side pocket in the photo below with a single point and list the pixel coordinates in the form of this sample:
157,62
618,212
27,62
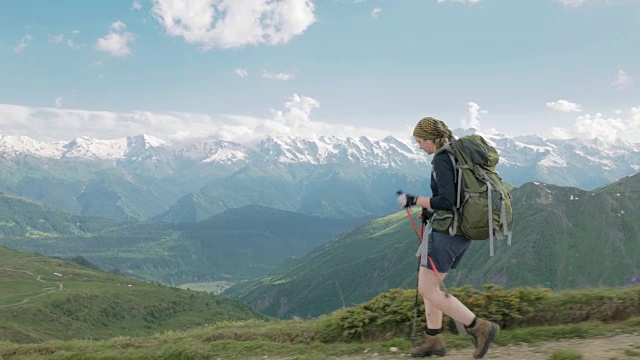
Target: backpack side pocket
442,220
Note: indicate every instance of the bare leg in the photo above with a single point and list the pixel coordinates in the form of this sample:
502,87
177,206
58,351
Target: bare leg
437,302
433,315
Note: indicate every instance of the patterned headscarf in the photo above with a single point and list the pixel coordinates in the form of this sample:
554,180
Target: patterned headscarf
433,129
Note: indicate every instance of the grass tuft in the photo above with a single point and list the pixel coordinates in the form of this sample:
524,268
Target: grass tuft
565,354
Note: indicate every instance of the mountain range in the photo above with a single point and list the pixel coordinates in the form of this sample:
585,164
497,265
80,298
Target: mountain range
563,238
233,245
145,178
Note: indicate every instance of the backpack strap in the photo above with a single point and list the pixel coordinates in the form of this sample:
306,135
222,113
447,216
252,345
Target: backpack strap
423,250
489,188
457,179
457,176
457,171
447,147
503,220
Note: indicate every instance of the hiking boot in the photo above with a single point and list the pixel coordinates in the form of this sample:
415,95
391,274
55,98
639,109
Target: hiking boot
484,333
432,345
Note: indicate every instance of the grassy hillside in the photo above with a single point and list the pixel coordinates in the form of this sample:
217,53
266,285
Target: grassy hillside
234,245
45,298
381,328
24,217
566,238
91,187
563,238
348,270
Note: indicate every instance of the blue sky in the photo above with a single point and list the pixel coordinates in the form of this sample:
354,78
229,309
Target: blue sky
243,69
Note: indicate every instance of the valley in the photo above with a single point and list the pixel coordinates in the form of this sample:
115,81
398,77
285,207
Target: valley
215,287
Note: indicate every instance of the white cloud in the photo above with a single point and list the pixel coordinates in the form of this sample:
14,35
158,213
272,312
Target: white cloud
474,116
22,44
56,39
622,81
471,2
72,44
376,12
297,111
564,106
233,24
241,72
572,3
473,120
622,126
65,124
9,112
137,5
278,76
61,38
118,26
116,43
59,102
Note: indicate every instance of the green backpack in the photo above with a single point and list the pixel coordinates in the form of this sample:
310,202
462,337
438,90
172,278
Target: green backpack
483,205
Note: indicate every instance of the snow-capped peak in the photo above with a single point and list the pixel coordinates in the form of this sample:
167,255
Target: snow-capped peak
557,159
20,145
146,141
81,147
85,147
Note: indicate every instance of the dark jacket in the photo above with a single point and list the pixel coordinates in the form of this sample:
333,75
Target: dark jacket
443,186
443,189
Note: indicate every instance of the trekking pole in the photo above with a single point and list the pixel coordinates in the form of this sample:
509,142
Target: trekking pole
416,305
420,234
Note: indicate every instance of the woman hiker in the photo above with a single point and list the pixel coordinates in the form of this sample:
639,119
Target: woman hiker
445,250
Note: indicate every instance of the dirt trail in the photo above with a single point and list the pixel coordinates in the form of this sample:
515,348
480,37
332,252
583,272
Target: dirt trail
619,347
38,278
591,349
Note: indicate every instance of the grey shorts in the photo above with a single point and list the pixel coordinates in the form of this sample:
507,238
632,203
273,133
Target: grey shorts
446,251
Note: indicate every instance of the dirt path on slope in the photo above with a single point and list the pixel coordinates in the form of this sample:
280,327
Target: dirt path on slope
620,347
38,278
591,349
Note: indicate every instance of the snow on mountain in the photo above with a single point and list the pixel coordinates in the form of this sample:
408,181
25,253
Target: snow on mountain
552,160
213,151
85,147
531,140
144,141
389,152
131,147
20,145
144,148
573,162
227,154
288,150
79,148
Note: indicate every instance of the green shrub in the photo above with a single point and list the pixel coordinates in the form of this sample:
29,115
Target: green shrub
565,354
502,306
391,314
631,353
386,316
574,306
